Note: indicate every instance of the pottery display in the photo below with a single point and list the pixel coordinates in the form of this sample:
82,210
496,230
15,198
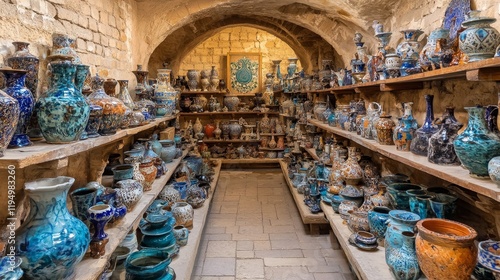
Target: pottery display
99,216
476,146
402,261
183,213
9,109
446,244
480,40
62,111
441,149
419,145
50,232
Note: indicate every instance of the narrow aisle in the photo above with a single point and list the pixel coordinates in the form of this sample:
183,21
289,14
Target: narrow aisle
254,231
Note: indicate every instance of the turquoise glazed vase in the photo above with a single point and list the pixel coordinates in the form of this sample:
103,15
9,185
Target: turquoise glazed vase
403,261
476,146
399,221
63,112
51,242
9,110
149,264
14,80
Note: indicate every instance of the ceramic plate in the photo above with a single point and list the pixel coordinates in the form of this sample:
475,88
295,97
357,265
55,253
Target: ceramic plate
326,200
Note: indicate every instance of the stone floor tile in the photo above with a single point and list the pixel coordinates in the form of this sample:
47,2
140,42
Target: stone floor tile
330,253
218,236
251,236
222,249
244,245
232,198
329,276
219,267
232,229
222,222
292,237
324,268
262,245
223,216
279,254
284,245
212,230
279,229
313,253
292,262
288,273
245,255
256,221
249,268
251,229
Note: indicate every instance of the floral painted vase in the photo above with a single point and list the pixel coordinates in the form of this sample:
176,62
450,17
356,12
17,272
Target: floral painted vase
350,168
183,213
410,47
148,170
385,129
419,145
62,111
9,109
476,146
113,109
446,249
99,216
50,242
480,40
14,81
402,261
441,149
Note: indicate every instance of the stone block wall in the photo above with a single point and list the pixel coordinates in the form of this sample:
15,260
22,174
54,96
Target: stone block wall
214,50
103,31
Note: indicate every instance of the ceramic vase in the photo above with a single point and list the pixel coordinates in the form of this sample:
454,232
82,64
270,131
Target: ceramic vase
350,168
476,146
50,242
192,76
446,249
99,216
170,194
129,192
319,109
181,235
149,264
488,258
419,145
480,40
64,45
410,47
436,53
14,81
377,221
231,102
404,136
142,90
403,261
165,94
235,129
494,170
214,79
399,221
217,131
209,130
292,67
385,128
148,170
62,111
9,109
124,94
181,187
82,199
183,213
168,150
441,149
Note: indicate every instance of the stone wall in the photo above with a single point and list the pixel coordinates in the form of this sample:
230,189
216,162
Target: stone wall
102,28
214,50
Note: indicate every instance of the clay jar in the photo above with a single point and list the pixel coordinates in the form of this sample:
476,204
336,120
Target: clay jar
209,130
148,170
385,127
446,249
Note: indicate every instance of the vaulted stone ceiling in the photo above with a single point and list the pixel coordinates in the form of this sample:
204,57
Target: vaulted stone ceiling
175,27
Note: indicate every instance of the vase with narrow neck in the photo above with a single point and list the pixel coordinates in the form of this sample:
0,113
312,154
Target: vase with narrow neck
351,168
50,232
292,67
124,94
420,144
22,59
214,79
441,149
146,106
402,261
14,81
62,111
165,94
408,115
477,145
278,79
410,47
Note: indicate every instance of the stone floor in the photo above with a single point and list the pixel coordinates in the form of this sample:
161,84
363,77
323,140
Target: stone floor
254,231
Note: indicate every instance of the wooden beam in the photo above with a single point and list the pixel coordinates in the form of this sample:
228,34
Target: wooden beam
401,86
367,90
484,74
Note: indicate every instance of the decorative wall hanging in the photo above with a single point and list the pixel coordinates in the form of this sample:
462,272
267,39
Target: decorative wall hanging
244,72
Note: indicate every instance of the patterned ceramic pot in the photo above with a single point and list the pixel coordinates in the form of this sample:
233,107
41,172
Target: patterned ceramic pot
393,61
385,128
181,187
420,143
129,192
170,194
113,109
183,213
94,122
441,149
9,110
403,135
168,151
64,45
402,261
489,255
446,244
82,199
476,146
480,40
192,79
181,235
358,221
231,102
148,170
398,196
50,232
351,168
377,220
149,264
235,129
399,221
122,172
345,206
99,216
410,47
62,111
23,59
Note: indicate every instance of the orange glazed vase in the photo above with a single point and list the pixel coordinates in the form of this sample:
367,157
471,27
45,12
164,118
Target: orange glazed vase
445,249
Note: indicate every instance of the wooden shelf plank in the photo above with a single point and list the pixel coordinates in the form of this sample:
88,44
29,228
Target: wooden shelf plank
41,152
209,141
453,174
250,160
90,268
227,113
312,152
305,214
202,92
271,149
183,264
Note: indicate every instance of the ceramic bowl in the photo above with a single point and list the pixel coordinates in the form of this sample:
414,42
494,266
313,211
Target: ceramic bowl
365,238
489,254
335,201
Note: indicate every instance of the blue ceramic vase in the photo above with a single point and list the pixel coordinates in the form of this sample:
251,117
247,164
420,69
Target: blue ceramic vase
10,268
479,41
420,143
441,149
51,242
399,221
404,135
9,110
402,261
63,111
14,81
99,215
168,150
377,220
82,199
476,146
149,264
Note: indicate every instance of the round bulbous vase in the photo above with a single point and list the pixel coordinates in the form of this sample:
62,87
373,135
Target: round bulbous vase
476,146
350,168
62,111
148,170
377,220
420,144
168,150
51,241
399,221
402,261
235,129
183,213
410,47
231,102
9,110
441,149
479,41
170,194
209,130
446,249
181,235
149,264
385,129
192,79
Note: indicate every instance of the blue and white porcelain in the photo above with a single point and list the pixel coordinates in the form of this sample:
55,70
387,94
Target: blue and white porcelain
15,87
489,255
149,264
63,112
476,146
402,261
181,187
480,40
9,110
100,215
10,268
82,199
165,94
410,47
377,220
51,242
399,221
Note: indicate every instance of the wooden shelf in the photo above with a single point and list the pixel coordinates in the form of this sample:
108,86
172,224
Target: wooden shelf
210,141
312,152
90,268
250,160
202,92
453,174
41,152
272,134
183,264
227,113
483,70
287,116
305,214
271,149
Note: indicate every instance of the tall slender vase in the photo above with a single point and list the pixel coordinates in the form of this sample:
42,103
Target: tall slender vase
441,149
420,143
477,145
278,79
51,242
14,80
9,110
62,111
124,94
165,94
23,59
403,261
146,106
